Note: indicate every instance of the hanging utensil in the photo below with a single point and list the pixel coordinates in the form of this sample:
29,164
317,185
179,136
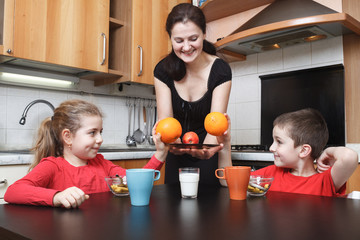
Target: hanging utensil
134,119
130,141
138,135
151,124
148,121
145,116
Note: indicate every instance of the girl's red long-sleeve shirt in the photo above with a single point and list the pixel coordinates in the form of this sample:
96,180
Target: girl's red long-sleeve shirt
52,175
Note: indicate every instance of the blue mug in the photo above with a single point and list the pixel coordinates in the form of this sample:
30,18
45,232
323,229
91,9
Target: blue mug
140,182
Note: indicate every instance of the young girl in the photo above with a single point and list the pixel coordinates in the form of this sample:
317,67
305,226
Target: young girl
67,166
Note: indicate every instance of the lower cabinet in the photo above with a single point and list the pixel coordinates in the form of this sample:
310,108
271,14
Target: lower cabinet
139,163
354,181
8,175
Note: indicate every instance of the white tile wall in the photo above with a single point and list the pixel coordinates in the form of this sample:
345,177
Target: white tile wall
244,104
14,99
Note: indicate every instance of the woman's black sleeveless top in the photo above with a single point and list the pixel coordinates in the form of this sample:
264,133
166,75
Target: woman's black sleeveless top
191,115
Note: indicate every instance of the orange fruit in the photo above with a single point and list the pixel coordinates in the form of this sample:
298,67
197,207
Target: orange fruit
170,129
216,123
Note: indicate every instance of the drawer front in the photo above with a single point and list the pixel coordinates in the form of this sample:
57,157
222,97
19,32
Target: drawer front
9,174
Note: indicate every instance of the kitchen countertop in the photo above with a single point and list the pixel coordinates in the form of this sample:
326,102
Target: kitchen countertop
27,158
110,153
22,157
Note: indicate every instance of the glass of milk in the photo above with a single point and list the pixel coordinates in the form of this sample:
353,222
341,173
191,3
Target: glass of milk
189,182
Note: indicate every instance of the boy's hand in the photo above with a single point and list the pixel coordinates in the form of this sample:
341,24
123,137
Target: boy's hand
324,162
71,197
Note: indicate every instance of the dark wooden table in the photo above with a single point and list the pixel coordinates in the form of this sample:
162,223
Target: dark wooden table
211,216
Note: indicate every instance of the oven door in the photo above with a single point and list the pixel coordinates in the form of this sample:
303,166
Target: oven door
255,165
254,159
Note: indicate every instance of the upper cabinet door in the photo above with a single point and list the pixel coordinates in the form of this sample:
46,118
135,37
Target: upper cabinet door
150,39
65,32
141,50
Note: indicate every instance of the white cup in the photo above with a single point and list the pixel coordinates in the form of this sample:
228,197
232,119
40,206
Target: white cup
189,182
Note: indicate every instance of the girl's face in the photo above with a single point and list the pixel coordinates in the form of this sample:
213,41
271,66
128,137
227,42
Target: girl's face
187,41
87,140
285,154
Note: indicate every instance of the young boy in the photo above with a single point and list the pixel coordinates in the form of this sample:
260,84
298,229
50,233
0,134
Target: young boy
299,138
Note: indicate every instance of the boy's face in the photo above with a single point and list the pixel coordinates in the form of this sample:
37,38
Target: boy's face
285,154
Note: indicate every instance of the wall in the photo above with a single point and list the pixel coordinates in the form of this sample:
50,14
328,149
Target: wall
244,105
14,99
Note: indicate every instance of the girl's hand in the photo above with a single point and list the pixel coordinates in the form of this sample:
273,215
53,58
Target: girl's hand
71,197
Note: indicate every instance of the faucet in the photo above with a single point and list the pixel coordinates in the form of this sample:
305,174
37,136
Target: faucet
23,118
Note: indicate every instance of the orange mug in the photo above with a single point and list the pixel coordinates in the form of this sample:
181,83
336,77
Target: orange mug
237,179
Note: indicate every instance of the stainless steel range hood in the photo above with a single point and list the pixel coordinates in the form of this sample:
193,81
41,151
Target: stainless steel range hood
285,23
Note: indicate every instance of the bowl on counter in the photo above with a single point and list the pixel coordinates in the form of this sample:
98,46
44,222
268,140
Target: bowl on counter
259,185
118,185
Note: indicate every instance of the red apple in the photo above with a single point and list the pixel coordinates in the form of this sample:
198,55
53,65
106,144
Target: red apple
190,138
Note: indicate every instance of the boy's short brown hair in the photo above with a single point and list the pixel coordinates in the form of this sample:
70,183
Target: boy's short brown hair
306,126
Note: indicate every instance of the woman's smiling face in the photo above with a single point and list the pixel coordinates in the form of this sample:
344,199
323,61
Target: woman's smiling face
187,41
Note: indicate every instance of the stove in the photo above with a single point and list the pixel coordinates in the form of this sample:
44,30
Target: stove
255,156
249,148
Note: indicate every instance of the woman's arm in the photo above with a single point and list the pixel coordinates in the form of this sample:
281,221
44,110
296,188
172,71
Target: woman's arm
163,100
219,103
225,152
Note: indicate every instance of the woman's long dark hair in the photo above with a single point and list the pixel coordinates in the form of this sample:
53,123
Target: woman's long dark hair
182,13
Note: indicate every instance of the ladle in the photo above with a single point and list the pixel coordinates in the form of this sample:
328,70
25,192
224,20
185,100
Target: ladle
138,135
130,141
151,123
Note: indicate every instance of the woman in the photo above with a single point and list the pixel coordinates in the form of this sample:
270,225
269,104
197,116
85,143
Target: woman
196,82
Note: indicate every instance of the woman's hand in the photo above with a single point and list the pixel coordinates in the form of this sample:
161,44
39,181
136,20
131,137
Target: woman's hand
203,153
161,148
71,197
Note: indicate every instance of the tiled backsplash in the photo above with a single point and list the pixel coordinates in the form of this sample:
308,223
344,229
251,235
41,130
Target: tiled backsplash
244,105
14,99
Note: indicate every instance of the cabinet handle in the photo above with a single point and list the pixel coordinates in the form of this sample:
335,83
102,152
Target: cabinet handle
4,181
9,51
104,49
141,56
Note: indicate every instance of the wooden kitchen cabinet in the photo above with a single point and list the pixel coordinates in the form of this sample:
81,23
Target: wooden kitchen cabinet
139,163
138,39
62,32
353,183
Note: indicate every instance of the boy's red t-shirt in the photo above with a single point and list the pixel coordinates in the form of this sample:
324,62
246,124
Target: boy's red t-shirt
317,184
